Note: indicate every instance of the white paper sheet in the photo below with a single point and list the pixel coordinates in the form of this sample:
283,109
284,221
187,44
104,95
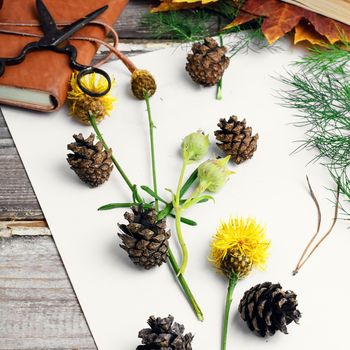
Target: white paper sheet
116,297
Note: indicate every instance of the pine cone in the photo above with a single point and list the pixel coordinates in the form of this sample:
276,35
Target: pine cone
90,162
142,82
164,334
266,308
236,140
207,63
145,239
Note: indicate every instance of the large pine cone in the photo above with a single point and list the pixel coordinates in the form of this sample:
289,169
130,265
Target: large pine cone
92,163
235,139
266,308
207,63
164,334
145,239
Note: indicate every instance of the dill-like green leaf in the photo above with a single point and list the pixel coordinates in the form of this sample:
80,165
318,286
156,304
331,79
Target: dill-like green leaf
320,93
185,26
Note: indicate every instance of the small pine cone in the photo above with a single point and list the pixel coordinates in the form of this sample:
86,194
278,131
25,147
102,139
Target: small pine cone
267,308
142,82
164,334
207,62
235,139
92,163
236,262
144,238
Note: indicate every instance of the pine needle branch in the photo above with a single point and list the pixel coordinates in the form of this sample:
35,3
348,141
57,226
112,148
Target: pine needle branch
319,90
184,26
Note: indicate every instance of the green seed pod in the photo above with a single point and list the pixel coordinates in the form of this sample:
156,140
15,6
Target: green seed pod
213,174
195,146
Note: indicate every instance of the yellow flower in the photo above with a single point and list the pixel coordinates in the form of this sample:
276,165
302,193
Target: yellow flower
238,246
81,104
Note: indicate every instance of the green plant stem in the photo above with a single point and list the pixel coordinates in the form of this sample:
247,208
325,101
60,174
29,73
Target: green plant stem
177,208
181,241
172,259
185,286
170,206
231,286
219,84
153,158
94,125
219,90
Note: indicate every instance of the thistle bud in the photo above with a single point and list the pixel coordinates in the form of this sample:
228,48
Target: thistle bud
213,174
195,146
142,82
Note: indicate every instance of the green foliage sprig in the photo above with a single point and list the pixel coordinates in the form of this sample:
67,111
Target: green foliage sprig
184,26
320,91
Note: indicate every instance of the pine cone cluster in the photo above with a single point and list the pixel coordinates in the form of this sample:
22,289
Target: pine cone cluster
207,62
91,162
164,334
267,308
236,139
145,239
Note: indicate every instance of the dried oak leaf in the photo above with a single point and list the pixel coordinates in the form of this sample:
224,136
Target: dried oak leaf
173,5
280,18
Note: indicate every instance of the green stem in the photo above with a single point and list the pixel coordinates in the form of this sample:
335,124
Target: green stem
196,193
179,185
170,206
177,209
181,241
94,125
185,286
219,84
153,158
172,260
231,286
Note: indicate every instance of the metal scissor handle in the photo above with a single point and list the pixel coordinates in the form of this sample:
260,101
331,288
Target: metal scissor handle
12,61
90,70
85,70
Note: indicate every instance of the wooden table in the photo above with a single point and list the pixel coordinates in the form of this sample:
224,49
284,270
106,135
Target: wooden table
38,307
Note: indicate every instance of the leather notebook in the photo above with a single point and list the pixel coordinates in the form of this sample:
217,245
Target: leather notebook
40,82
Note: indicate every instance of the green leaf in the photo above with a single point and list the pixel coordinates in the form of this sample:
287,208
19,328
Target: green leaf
153,194
185,220
204,197
189,182
115,206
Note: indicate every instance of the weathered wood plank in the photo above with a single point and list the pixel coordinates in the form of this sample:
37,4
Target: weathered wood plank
128,25
23,228
38,308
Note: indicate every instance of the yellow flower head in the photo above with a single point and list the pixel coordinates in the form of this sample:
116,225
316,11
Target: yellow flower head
81,104
238,246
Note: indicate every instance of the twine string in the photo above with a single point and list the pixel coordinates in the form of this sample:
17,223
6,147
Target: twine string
112,49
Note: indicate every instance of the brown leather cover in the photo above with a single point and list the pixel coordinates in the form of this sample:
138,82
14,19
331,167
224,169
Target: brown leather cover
45,70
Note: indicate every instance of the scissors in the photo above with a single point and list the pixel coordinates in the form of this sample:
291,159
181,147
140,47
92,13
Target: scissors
57,40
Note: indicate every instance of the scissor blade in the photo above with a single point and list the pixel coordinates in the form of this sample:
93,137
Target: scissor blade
47,22
68,31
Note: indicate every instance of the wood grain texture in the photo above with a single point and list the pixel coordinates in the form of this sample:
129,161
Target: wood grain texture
38,308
